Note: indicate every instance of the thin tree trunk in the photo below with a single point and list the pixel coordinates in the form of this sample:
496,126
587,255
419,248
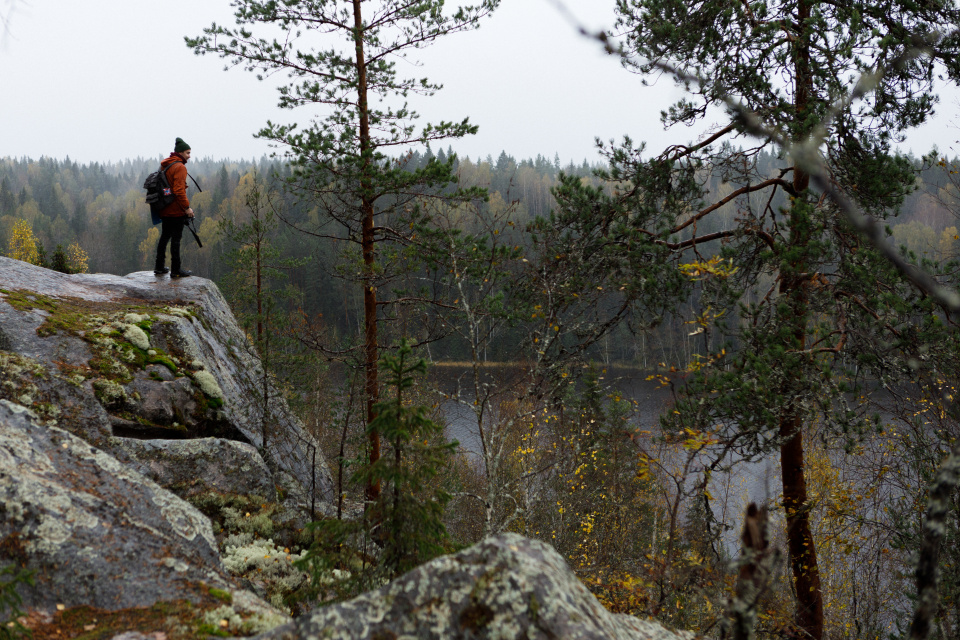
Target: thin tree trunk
367,245
265,354
259,288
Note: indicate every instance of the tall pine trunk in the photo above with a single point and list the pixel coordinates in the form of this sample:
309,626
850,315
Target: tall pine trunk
793,286
367,246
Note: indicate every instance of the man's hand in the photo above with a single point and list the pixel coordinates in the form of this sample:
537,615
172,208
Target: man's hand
190,212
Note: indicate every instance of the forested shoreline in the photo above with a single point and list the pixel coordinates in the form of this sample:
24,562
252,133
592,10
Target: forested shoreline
787,284
556,448
100,207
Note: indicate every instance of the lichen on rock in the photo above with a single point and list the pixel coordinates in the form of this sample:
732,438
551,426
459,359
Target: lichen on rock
208,384
506,587
136,336
116,330
109,393
64,499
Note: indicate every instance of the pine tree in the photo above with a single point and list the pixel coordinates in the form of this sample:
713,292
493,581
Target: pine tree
221,189
341,57
807,297
42,260
411,509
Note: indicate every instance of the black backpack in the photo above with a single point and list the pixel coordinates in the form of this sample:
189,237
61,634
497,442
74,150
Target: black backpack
159,193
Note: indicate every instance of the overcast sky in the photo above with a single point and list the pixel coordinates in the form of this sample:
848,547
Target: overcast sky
112,79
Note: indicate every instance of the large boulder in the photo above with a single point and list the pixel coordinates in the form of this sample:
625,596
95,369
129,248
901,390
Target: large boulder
93,531
109,358
199,466
506,587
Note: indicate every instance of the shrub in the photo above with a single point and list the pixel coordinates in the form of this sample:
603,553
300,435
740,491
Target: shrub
10,600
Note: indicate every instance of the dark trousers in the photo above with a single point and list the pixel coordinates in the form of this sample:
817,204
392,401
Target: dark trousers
171,231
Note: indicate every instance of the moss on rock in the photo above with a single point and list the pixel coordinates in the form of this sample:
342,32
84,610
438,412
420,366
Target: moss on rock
109,393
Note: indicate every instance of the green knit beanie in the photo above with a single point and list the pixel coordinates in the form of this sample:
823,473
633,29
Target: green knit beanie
180,145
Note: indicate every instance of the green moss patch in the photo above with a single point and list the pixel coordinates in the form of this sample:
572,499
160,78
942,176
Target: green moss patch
231,513
23,300
159,357
220,594
101,325
179,620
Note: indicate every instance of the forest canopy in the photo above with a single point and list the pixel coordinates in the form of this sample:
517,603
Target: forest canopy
632,353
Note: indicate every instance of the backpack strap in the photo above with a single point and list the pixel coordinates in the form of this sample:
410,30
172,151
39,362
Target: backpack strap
188,174
167,168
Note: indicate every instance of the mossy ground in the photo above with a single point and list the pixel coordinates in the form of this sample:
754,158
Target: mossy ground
230,513
115,360
178,620
83,318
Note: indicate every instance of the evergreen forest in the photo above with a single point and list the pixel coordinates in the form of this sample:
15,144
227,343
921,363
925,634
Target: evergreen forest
719,378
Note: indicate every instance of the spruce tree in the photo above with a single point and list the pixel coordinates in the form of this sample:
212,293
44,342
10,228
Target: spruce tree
408,515
811,308
8,201
59,261
341,57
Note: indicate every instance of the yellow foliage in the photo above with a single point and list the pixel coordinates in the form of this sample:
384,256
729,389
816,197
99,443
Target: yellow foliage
77,258
715,266
23,244
844,548
621,592
148,247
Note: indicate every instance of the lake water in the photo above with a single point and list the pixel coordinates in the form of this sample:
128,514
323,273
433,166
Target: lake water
754,481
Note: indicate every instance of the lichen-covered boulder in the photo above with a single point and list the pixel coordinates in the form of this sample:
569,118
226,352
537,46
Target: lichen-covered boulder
144,357
94,531
506,587
96,534
202,465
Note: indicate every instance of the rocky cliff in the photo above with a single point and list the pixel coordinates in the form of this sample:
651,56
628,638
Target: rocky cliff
133,364
148,491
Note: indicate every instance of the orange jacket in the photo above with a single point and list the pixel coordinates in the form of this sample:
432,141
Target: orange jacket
177,178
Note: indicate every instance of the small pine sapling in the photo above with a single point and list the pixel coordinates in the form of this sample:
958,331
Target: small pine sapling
404,527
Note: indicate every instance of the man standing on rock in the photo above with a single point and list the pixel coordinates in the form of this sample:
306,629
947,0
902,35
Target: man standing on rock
176,214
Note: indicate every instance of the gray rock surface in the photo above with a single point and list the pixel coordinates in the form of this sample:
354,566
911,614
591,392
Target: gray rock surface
94,531
506,587
192,467
81,375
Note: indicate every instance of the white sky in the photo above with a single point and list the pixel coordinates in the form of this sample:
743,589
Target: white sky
105,80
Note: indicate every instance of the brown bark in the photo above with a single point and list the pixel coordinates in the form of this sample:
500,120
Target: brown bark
260,344
800,543
367,246
259,291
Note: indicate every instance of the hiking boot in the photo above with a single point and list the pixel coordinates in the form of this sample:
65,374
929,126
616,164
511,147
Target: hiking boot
161,271
181,274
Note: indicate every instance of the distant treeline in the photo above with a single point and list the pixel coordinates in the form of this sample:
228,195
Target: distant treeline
101,207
